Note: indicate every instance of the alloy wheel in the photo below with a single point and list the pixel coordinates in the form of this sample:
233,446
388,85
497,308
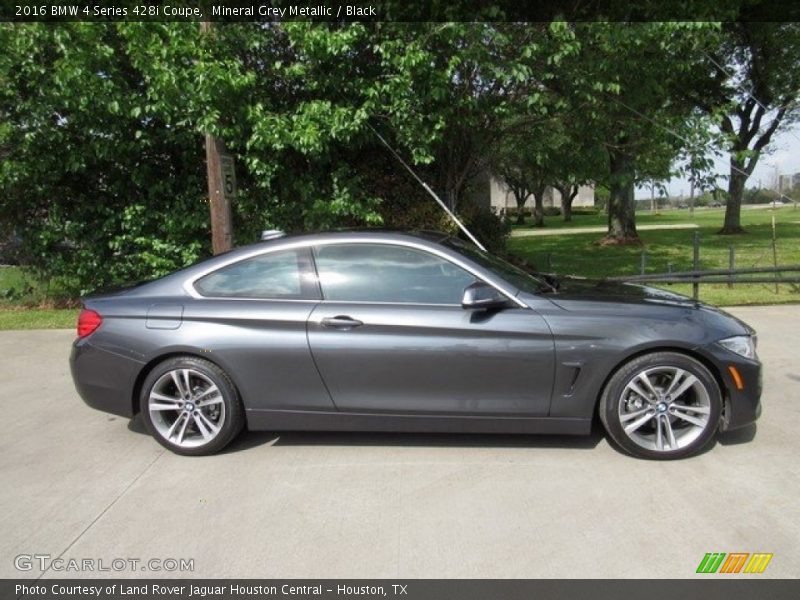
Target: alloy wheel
664,408
186,408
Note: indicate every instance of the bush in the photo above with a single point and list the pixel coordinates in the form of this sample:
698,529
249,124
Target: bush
585,210
415,213
487,226
551,211
760,196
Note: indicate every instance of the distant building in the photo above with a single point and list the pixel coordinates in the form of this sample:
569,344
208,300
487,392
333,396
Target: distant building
490,191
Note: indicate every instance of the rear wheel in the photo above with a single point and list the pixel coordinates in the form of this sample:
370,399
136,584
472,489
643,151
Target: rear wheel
663,405
191,406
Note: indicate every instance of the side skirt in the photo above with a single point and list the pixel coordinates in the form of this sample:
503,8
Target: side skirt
288,420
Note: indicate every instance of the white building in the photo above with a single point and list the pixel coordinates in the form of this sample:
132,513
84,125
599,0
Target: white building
492,192
503,198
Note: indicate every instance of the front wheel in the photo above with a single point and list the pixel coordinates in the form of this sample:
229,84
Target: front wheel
663,405
190,406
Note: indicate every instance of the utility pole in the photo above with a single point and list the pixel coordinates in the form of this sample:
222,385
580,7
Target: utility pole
218,200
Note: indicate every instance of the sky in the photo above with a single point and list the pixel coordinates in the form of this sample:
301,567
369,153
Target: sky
784,156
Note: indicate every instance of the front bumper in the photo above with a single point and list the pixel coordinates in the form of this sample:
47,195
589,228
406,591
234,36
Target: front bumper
742,406
103,379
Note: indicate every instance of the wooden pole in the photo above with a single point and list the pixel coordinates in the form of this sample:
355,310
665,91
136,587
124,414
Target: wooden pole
219,203
731,264
774,251
696,263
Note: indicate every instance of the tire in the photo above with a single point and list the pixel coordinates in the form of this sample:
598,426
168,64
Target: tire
675,416
194,419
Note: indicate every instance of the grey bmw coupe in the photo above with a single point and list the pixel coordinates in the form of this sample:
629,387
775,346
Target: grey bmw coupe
381,331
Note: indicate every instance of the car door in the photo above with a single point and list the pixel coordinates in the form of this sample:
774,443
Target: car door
391,336
251,316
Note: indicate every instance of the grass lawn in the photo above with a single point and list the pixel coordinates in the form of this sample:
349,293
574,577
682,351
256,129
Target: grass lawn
38,318
25,303
579,254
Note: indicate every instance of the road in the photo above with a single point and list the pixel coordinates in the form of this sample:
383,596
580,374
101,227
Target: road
80,484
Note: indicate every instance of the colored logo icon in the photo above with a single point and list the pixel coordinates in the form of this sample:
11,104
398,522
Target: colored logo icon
734,562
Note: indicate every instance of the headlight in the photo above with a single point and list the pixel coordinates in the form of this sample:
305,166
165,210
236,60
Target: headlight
743,345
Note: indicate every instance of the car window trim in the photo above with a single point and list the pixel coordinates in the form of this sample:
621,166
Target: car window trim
314,257
310,287
188,284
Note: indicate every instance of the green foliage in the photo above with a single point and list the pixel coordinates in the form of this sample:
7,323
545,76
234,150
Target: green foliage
488,227
97,186
761,196
102,170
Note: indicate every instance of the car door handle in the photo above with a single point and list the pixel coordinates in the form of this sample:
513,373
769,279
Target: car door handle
341,322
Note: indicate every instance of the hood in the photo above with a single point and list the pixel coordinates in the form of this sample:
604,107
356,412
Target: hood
603,291
603,297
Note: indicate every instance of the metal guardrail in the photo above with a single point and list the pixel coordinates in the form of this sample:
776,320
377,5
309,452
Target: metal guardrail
683,275
726,276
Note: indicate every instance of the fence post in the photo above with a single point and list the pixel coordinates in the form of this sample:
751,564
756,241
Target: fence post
643,261
549,261
696,263
774,252
731,264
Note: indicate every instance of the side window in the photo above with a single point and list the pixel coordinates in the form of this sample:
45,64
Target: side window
387,273
277,275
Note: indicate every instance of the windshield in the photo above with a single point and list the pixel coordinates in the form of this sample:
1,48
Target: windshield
513,275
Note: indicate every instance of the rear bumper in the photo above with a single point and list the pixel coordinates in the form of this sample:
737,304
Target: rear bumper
103,379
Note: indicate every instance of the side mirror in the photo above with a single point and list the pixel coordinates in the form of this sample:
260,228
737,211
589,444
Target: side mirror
480,295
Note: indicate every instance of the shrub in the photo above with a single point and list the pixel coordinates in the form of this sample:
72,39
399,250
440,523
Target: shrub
585,210
487,226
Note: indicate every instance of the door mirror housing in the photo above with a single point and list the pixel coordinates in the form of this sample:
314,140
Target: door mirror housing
481,295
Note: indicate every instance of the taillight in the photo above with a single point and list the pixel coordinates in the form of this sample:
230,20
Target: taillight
88,321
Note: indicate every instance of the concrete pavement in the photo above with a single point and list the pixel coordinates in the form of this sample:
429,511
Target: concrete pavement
77,483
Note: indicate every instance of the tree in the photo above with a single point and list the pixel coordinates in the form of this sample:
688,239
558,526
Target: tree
98,188
631,104
751,84
452,92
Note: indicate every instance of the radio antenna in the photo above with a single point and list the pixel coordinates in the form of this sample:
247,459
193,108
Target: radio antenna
428,189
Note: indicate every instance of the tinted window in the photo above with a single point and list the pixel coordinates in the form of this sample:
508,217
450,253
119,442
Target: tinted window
384,273
278,275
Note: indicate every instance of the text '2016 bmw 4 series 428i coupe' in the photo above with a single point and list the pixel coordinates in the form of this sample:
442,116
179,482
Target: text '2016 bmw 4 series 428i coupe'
381,331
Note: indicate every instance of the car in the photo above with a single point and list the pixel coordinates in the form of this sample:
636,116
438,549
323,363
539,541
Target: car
410,332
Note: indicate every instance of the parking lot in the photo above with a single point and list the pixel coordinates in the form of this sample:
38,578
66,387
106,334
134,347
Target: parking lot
77,483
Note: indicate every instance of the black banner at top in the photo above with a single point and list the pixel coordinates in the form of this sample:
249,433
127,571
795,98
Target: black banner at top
402,10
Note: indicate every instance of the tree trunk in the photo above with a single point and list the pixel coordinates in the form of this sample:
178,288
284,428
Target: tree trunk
521,198
451,198
566,208
567,196
538,205
733,208
621,204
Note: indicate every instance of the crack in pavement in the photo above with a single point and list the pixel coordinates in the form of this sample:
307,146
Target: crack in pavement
103,512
